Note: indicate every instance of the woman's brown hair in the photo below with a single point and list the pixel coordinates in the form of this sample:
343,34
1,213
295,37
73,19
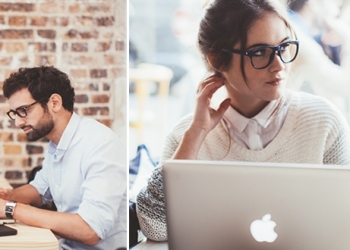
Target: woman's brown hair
226,23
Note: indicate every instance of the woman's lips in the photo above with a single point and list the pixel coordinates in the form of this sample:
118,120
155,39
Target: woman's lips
276,81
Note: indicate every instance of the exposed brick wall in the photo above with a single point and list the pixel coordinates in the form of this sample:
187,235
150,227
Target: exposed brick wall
84,38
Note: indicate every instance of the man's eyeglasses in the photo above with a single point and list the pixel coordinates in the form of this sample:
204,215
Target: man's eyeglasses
22,111
262,57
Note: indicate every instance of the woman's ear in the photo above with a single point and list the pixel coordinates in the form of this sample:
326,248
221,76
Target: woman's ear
211,59
55,102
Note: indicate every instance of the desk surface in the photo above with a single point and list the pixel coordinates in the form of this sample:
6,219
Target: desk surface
27,237
151,245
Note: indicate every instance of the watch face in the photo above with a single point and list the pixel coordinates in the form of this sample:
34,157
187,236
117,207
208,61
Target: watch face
9,208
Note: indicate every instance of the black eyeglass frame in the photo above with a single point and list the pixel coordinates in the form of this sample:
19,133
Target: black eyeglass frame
24,109
250,53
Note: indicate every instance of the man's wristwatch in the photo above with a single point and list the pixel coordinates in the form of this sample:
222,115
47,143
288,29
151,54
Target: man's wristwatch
10,209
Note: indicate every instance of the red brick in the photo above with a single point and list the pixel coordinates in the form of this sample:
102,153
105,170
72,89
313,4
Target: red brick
95,111
79,47
108,35
93,87
106,86
84,20
27,162
81,99
100,98
104,21
97,8
50,34
20,7
32,149
21,137
78,73
40,47
6,162
17,20
45,60
117,72
38,21
2,20
14,47
24,60
74,8
6,137
98,73
16,34
83,34
119,45
80,60
58,21
108,123
12,149
5,61
102,46
13,174
11,124
40,161
53,7
111,60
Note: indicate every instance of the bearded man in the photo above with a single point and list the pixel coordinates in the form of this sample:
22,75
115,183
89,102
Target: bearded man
84,170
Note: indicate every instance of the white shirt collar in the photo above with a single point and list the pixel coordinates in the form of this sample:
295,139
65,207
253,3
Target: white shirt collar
264,118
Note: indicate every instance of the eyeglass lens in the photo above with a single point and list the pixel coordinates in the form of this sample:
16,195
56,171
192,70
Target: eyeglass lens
21,112
262,57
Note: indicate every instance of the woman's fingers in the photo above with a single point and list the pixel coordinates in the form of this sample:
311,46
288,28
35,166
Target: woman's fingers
208,87
223,107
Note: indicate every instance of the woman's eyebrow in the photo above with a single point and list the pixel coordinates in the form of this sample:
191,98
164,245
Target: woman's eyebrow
257,45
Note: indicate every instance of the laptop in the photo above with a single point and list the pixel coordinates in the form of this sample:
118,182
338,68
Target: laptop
244,205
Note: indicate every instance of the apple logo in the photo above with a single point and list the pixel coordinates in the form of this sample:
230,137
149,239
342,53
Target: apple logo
263,230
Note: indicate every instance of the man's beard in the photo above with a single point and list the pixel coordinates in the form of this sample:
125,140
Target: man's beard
43,128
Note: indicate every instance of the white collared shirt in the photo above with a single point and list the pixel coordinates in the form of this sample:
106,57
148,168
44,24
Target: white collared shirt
257,132
85,174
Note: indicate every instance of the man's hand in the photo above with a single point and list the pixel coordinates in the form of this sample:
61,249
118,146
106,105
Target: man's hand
2,208
5,193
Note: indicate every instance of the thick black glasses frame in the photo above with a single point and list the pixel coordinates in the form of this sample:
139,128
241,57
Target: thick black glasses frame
24,109
250,53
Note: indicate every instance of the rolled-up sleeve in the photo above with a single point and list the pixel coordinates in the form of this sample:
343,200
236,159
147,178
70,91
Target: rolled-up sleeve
104,186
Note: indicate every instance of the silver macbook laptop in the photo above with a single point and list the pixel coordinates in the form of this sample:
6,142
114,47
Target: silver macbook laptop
241,205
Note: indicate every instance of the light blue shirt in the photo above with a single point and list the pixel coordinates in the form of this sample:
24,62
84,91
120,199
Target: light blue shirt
86,174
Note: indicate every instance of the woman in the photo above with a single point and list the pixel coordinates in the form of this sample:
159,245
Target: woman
248,46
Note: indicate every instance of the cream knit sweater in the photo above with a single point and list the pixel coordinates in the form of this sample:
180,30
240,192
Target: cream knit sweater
313,132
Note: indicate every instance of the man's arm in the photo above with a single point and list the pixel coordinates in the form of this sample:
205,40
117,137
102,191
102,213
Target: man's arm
26,194
69,226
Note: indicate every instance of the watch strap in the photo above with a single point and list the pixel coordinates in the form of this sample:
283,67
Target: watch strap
10,209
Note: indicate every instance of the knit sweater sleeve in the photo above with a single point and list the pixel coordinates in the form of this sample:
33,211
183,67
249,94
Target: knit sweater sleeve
338,141
150,202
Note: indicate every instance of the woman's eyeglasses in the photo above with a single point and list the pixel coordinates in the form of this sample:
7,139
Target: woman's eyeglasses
21,111
262,57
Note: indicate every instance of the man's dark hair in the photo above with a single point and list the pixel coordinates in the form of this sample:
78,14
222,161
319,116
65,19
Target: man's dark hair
41,82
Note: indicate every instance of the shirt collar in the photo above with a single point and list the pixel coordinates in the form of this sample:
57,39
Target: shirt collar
264,118
67,134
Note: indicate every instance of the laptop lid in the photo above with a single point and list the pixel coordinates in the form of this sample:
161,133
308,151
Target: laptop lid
243,205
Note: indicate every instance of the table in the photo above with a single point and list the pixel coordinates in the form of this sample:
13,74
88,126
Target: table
27,237
151,245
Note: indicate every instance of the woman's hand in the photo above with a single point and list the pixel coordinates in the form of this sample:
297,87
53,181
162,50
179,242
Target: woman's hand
205,118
